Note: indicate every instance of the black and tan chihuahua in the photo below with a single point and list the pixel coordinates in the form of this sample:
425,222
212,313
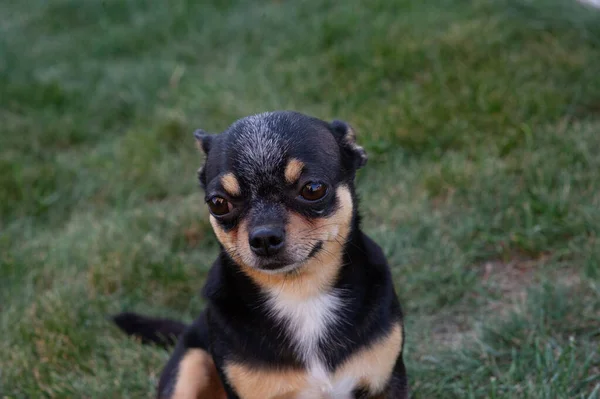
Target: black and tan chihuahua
301,303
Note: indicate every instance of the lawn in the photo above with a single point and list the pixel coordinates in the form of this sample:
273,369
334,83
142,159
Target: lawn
481,119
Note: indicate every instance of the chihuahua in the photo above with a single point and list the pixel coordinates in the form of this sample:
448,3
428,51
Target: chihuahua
301,303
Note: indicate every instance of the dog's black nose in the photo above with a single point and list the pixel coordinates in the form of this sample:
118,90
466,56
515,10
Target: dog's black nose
267,240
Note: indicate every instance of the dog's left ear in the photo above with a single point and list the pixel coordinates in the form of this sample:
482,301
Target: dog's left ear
354,155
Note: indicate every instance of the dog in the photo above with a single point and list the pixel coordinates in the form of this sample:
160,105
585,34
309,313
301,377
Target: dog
301,303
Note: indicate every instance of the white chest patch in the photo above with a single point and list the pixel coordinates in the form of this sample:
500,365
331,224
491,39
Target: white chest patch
308,320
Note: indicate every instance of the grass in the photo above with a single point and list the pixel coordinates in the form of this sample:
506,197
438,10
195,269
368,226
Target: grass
482,124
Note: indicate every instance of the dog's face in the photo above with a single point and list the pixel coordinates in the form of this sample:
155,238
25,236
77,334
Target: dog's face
279,188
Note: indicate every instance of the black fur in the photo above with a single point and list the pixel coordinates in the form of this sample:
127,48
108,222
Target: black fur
161,332
237,325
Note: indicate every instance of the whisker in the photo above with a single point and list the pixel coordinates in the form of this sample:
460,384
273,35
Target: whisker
306,231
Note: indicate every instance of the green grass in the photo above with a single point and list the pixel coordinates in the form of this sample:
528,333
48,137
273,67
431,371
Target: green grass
483,128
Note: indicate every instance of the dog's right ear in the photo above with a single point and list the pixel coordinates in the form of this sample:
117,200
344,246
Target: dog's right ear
203,140
204,143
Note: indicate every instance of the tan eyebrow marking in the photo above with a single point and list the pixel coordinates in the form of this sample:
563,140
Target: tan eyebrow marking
230,184
293,170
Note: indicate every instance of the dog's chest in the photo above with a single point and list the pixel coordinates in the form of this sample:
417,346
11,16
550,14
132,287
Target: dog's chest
313,326
308,321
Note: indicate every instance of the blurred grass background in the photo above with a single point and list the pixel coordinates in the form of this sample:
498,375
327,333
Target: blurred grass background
482,124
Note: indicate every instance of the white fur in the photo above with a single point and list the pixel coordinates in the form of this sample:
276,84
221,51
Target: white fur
322,386
309,321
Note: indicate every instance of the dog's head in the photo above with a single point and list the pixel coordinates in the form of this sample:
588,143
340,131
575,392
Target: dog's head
279,187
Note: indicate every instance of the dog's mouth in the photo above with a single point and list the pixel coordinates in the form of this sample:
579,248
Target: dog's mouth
286,266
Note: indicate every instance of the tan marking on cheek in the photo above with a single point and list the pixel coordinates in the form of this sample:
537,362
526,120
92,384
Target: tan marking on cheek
319,272
293,170
373,366
227,239
254,383
234,241
231,184
242,245
197,377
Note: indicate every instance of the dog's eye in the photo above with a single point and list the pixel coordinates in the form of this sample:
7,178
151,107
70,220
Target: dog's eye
219,206
313,191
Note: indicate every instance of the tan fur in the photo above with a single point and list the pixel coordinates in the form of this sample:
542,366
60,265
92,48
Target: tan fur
293,170
197,377
373,366
230,184
350,135
350,140
370,367
253,383
231,239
